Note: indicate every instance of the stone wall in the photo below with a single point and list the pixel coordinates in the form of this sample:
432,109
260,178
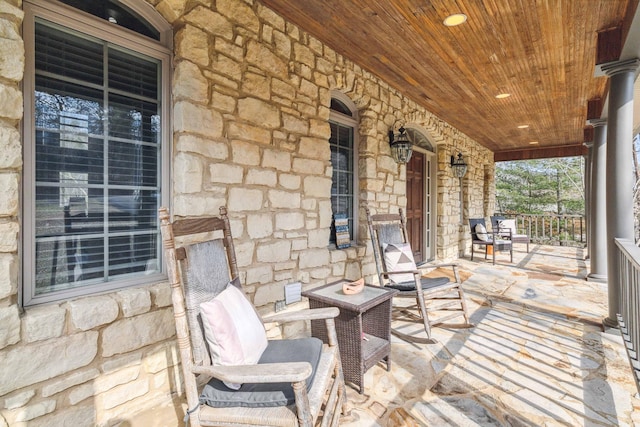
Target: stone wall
264,87
251,96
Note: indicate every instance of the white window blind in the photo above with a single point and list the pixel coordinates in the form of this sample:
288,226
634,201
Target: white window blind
97,161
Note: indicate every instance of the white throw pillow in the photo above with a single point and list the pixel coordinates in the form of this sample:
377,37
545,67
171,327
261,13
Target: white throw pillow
481,232
399,257
507,224
233,330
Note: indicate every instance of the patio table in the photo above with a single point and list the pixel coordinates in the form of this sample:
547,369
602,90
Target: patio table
363,326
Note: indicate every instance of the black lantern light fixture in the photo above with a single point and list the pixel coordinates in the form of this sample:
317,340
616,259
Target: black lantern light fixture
400,145
459,166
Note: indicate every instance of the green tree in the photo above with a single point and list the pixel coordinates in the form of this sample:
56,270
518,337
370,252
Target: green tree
540,186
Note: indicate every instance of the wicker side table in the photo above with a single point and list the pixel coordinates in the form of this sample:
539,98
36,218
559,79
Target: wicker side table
363,326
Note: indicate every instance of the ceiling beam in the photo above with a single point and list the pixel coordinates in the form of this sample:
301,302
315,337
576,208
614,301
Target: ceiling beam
540,153
588,134
609,45
594,108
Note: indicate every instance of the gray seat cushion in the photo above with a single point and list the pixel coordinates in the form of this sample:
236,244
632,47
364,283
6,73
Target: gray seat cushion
217,395
427,283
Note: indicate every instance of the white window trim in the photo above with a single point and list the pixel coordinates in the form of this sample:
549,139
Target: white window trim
85,23
353,122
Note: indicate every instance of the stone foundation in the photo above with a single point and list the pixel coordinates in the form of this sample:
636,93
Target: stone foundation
251,96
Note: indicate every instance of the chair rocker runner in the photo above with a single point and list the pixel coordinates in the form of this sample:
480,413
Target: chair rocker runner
247,382
437,299
497,241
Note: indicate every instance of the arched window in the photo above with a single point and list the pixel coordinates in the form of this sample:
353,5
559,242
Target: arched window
344,159
417,138
96,139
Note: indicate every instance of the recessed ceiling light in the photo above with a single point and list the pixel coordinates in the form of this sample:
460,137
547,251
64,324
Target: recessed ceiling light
455,19
503,95
523,126
533,143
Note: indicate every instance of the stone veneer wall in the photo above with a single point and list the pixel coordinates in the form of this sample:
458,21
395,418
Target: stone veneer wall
251,97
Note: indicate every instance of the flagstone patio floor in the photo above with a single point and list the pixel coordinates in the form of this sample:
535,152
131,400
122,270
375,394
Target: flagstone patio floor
537,356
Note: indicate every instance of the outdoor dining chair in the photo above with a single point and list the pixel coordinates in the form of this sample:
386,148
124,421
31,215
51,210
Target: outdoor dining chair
480,236
502,224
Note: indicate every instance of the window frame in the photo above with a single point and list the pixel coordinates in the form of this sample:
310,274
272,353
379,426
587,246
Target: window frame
352,122
92,26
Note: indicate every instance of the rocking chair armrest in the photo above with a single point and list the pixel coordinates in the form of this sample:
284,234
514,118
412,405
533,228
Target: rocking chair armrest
262,373
308,314
392,273
422,265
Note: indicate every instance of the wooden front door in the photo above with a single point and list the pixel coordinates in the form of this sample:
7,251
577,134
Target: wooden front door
415,203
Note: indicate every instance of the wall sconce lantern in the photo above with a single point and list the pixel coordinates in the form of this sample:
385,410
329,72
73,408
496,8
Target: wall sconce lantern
400,146
459,166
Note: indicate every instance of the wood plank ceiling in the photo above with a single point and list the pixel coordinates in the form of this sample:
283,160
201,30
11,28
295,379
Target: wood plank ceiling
542,52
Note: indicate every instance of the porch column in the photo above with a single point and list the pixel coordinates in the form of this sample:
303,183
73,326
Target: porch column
619,181
588,169
598,203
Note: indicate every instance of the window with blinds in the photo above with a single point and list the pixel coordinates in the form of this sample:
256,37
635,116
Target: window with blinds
96,166
343,161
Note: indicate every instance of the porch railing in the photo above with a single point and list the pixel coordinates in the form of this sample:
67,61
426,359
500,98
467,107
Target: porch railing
629,316
549,229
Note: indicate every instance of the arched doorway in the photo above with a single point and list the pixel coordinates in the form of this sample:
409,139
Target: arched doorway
421,195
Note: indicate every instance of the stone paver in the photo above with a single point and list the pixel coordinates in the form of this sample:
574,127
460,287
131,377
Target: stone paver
537,356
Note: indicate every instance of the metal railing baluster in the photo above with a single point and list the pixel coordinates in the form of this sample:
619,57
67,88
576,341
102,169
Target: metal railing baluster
551,229
628,318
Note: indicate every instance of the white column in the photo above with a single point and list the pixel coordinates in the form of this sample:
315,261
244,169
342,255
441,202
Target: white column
588,160
619,186
598,203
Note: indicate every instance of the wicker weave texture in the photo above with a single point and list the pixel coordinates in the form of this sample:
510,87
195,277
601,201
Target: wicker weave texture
363,336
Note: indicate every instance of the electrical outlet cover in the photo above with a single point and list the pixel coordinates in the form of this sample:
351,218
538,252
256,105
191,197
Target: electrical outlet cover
292,292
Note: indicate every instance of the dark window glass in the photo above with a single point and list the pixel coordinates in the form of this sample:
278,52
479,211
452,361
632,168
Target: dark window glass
340,107
97,117
115,13
342,160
